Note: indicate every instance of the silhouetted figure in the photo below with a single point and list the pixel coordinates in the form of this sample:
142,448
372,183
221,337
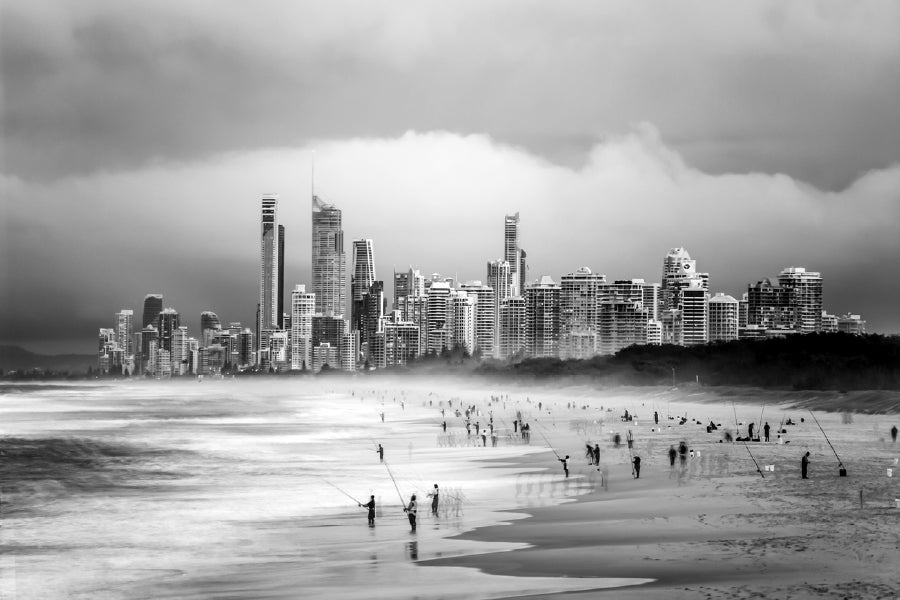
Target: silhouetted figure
894,434
410,511
371,506
637,467
766,431
444,425
565,463
672,454
804,466
589,454
434,500
597,454
655,417
750,431
617,439
682,454
515,426
380,452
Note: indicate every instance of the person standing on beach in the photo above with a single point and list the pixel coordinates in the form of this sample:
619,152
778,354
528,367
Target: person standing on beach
655,418
750,432
682,453
637,467
380,452
672,454
597,455
434,500
766,431
804,466
565,463
410,511
371,506
894,434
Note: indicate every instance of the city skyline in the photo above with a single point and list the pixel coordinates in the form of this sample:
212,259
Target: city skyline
738,141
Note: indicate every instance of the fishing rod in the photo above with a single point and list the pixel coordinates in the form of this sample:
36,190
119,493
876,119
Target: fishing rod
628,441
340,490
761,417
758,470
548,443
396,487
840,464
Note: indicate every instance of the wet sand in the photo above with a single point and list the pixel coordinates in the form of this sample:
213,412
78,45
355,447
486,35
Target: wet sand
717,529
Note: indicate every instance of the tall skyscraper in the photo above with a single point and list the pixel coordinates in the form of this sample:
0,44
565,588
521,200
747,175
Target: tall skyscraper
512,328
303,308
461,317
270,249
153,305
438,308
807,287
169,321
125,331
329,270
361,279
771,306
622,318
679,271
511,251
695,314
542,318
280,309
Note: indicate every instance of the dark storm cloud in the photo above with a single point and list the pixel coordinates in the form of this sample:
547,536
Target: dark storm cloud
805,88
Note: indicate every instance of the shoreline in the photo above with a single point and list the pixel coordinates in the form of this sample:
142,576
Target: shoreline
719,534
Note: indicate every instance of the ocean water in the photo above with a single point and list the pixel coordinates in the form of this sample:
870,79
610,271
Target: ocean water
250,489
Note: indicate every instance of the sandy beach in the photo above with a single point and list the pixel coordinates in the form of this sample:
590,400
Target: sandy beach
717,529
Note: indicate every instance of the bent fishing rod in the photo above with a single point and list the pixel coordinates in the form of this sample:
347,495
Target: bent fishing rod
840,464
753,458
548,444
396,487
341,490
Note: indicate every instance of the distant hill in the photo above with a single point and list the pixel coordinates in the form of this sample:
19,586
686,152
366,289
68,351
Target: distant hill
14,358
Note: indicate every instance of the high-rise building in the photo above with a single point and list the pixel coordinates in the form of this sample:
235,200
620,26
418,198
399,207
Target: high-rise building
280,309
209,327
401,341
149,344
511,251
270,249
542,318
512,340
723,318
829,322
771,306
622,318
807,287
414,309
438,334
401,286
180,350
169,321
695,313
303,309
153,305
329,269
125,331
679,272
578,303
523,270
361,279
462,321
485,316
373,307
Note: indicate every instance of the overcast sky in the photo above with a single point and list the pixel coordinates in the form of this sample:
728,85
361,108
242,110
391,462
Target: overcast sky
138,139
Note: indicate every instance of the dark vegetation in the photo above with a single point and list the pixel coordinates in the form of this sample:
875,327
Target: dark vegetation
832,361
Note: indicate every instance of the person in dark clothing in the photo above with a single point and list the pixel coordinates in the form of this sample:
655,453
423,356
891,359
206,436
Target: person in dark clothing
804,466
597,455
672,454
617,439
380,452
371,506
750,432
565,463
682,454
515,426
655,417
766,431
434,500
637,467
410,511
444,425
589,453
894,434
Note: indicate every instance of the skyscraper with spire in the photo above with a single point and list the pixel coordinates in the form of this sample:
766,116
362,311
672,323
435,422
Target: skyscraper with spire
512,253
270,281
329,269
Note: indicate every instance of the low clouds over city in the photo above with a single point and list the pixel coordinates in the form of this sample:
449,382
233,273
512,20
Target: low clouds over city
138,140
